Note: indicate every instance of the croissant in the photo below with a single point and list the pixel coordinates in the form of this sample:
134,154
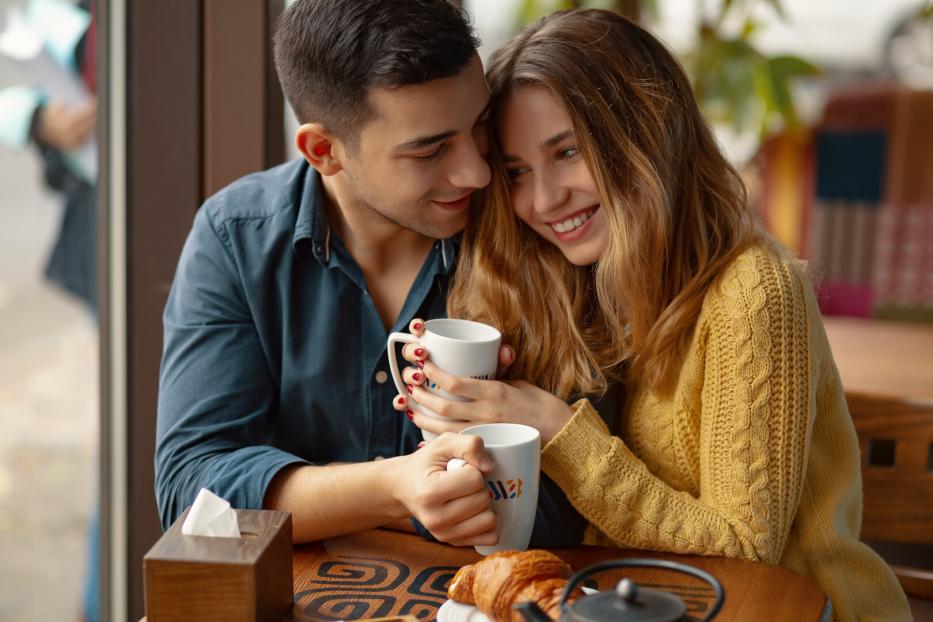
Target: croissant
501,580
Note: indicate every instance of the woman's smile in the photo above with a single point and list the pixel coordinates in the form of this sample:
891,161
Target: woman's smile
575,226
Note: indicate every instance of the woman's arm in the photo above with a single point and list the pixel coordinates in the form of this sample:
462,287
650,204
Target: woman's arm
757,413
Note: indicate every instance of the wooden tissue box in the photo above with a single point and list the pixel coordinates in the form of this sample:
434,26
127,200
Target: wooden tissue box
246,579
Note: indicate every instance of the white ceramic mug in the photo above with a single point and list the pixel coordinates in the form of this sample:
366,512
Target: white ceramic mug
513,483
460,347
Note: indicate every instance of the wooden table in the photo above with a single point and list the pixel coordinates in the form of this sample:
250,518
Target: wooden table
381,573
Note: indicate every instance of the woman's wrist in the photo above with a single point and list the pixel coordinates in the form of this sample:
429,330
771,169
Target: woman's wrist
561,417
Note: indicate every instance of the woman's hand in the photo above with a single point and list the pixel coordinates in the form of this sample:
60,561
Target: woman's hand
493,401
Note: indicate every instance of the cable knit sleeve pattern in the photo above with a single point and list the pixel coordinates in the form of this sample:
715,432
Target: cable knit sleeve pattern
752,354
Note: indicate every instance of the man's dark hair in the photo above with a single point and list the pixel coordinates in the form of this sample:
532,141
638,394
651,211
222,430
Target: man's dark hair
329,53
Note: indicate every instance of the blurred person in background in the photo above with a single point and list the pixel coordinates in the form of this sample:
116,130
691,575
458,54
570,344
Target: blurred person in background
58,129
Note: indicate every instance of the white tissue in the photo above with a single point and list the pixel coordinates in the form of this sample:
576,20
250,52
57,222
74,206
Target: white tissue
211,516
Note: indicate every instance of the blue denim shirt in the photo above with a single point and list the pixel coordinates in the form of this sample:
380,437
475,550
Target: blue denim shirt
275,354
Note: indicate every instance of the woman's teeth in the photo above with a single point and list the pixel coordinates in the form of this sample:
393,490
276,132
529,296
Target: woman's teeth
571,223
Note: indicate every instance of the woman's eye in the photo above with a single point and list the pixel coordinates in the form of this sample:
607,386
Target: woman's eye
433,155
516,172
567,152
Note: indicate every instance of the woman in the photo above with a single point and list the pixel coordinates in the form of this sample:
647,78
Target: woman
615,245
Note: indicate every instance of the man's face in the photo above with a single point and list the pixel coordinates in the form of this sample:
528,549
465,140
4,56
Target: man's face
422,156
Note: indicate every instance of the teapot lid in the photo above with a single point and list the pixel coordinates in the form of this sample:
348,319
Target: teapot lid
628,603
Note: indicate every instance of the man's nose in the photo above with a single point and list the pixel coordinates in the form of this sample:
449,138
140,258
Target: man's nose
469,168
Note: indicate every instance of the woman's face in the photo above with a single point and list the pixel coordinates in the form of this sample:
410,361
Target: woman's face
552,189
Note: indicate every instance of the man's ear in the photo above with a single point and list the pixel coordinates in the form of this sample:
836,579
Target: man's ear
316,144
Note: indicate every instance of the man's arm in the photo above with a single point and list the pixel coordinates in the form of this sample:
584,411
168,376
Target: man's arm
217,401
216,393
330,500
359,493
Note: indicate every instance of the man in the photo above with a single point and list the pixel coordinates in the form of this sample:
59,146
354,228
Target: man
274,387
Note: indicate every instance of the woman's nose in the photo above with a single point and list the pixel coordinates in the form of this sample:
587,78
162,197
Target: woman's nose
550,193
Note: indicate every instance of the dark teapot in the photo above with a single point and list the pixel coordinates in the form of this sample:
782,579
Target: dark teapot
627,602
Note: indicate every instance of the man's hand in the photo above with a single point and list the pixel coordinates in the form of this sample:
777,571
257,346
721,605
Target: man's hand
454,506
67,127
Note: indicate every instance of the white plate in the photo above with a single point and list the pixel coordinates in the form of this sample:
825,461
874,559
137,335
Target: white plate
452,611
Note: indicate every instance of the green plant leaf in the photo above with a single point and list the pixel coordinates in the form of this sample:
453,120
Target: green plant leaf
651,8
734,83
793,66
533,9
775,87
608,5
749,28
780,94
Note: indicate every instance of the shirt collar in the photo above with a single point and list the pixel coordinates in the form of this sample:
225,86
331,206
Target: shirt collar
312,228
448,249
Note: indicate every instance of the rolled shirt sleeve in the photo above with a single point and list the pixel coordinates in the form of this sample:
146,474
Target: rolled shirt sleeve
216,394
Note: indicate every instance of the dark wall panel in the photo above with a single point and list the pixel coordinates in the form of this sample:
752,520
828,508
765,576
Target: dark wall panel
163,192
203,108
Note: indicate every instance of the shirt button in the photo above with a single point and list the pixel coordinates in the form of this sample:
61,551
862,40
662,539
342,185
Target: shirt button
381,377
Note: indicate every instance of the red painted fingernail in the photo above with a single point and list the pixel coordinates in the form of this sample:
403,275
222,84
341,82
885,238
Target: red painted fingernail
410,415
410,388
417,325
419,351
416,377
421,444
420,364
401,400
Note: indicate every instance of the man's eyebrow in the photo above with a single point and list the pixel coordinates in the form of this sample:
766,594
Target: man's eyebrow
550,142
424,141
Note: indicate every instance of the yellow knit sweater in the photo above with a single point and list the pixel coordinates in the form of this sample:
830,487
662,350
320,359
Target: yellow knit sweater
753,455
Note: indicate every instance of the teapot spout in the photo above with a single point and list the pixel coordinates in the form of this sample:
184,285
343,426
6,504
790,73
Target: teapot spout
531,612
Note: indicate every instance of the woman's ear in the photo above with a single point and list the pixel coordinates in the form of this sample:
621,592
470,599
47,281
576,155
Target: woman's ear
316,144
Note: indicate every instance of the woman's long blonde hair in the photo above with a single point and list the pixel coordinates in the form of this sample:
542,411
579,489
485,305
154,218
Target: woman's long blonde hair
675,208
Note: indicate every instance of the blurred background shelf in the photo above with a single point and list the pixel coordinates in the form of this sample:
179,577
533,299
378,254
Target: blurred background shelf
883,358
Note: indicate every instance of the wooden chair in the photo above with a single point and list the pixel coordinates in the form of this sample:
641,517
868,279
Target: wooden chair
896,440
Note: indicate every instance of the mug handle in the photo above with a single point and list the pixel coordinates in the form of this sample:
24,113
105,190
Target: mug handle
395,338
